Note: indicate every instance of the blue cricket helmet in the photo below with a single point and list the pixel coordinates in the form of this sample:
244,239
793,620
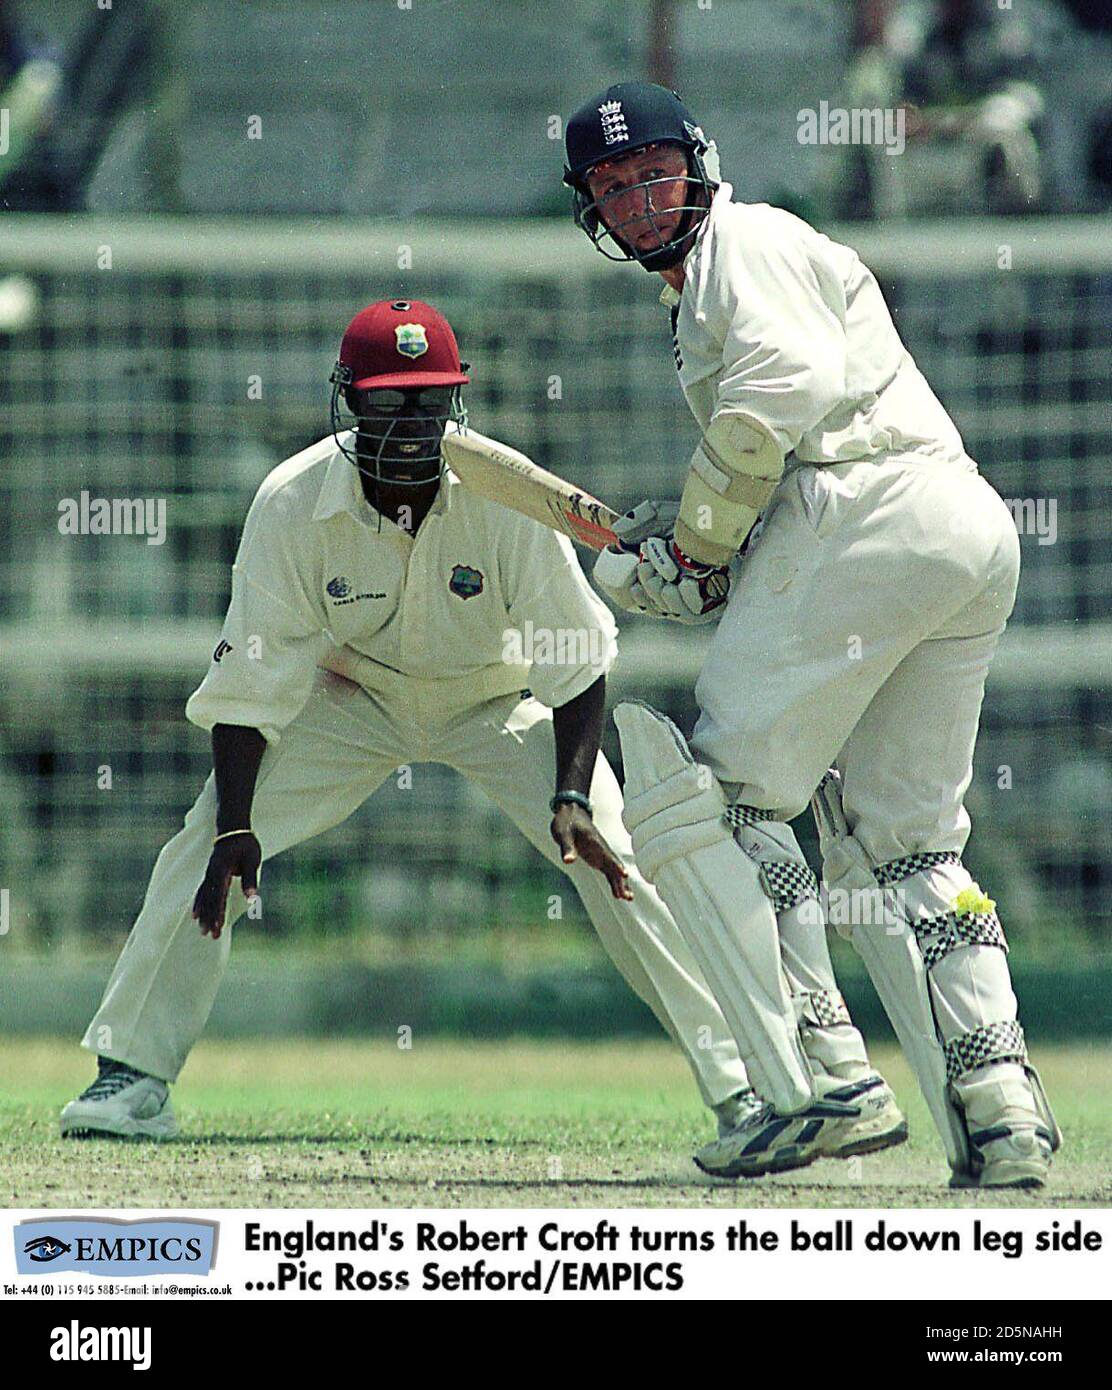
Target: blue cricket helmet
629,116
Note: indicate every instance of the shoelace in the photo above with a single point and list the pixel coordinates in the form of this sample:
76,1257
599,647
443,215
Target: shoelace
111,1082
757,1119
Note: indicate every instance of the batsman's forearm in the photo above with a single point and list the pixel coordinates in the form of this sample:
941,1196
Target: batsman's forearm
237,752
578,730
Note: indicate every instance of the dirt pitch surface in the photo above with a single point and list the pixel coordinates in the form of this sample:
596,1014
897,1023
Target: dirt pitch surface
460,1124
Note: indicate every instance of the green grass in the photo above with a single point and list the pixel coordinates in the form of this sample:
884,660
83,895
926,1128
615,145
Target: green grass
459,1124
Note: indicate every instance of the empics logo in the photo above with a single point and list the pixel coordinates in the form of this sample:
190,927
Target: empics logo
46,1248
117,1248
76,1343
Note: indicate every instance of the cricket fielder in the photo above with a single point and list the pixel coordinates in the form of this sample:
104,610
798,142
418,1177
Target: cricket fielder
372,603
875,575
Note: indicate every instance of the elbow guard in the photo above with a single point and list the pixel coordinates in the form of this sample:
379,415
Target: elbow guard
733,473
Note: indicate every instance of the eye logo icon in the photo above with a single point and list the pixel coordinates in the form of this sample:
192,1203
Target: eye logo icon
46,1248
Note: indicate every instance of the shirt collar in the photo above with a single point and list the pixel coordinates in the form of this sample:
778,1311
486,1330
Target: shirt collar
723,195
342,491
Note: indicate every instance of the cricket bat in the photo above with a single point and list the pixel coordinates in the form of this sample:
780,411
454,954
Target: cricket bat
504,475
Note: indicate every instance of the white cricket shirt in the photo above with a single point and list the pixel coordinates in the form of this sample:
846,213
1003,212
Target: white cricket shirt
321,579
778,321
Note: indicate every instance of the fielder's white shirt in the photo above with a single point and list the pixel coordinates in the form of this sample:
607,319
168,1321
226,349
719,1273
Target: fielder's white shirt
321,579
778,321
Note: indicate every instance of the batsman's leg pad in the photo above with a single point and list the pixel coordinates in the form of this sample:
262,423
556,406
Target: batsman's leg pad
675,814
894,963
964,951
830,1040
936,953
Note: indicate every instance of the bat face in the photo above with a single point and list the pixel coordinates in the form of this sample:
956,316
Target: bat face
585,519
504,475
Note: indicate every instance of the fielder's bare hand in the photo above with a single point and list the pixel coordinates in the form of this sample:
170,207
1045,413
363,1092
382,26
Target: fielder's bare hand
576,834
239,856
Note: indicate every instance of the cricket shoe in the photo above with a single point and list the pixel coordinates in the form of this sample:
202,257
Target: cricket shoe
734,1109
122,1102
1007,1156
844,1119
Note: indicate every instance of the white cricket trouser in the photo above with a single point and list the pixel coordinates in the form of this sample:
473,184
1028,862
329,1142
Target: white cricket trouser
858,634
341,747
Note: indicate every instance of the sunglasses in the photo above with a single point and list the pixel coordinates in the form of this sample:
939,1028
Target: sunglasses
385,401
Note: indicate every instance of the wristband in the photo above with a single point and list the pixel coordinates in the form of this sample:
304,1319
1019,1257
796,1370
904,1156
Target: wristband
227,835
571,799
696,568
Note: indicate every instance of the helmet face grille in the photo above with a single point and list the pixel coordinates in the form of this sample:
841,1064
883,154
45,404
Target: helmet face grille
399,447
607,237
626,118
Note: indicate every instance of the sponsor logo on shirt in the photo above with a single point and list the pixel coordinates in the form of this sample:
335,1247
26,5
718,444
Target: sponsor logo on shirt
465,581
339,589
222,650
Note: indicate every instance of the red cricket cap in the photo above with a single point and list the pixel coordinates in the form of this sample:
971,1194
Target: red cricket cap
399,343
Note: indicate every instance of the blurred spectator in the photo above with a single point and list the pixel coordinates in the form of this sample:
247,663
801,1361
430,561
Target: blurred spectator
29,83
972,79
120,59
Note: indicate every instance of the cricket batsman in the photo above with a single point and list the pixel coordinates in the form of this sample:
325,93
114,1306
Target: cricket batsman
371,601
862,571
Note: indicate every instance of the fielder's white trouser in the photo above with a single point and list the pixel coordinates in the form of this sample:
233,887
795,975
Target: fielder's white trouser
341,747
858,634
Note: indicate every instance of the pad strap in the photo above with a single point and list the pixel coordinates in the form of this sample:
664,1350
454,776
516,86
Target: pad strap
994,1042
938,936
787,884
738,814
822,1008
893,870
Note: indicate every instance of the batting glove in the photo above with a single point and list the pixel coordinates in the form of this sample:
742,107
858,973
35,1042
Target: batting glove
676,587
616,569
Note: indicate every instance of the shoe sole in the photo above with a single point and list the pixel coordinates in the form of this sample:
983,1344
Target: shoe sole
137,1129
1018,1181
787,1160
871,1144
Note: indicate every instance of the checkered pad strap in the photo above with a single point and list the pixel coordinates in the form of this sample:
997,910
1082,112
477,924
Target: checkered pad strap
788,884
738,814
824,1008
995,1042
896,869
952,930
